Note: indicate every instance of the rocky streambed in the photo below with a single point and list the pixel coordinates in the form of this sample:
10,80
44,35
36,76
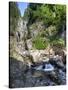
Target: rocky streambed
49,73
29,67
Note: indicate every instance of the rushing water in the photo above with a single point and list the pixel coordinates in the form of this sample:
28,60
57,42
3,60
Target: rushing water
44,74
46,67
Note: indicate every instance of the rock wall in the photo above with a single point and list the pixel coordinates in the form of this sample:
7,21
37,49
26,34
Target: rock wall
21,32
36,28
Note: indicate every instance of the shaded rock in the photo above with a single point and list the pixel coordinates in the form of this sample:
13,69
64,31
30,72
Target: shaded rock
46,67
16,70
17,83
30,80
57,61
53,77
62,76
23,76
44,81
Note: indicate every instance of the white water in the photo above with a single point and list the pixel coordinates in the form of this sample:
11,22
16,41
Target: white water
48,67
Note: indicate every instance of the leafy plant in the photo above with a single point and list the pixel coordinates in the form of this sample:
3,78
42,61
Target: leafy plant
58,43
40,43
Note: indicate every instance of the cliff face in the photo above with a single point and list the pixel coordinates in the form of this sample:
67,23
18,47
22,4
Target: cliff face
21,30
27,49
38,45
36,28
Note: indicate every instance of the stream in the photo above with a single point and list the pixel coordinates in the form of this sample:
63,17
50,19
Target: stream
43,74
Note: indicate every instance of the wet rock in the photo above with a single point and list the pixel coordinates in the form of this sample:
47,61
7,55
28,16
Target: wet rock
16,72
30,83
53,77
17,83
62,76
46,67
58,77
57,61
23,76
44,81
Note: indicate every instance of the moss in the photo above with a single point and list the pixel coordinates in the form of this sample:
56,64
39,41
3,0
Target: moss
40,43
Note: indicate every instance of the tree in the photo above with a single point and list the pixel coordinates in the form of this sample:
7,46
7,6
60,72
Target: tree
48,13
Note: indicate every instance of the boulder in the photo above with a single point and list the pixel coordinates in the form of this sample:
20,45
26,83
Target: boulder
57,61
29,43
39,55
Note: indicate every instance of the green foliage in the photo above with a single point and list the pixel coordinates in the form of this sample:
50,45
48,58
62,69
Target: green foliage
50,31
54,19
40,43
60,18
48,13
58,43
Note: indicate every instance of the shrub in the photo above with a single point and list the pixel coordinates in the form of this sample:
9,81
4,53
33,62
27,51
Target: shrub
58,43
40,43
